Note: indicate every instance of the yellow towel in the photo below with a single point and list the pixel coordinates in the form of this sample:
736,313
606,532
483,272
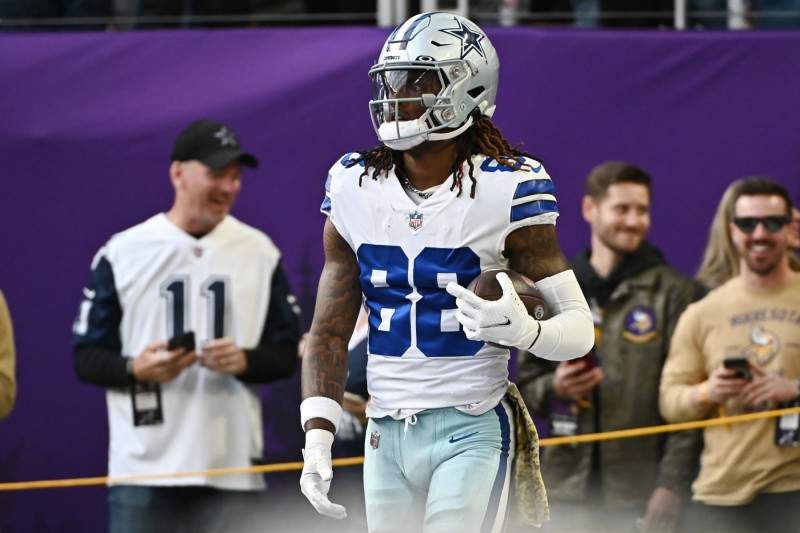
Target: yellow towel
530,499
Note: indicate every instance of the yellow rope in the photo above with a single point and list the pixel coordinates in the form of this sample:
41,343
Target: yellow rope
666,428
82,482
284,467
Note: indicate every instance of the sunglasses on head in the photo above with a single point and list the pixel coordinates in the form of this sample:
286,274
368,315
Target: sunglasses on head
748,224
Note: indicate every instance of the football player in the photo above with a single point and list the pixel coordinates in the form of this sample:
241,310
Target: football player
410,224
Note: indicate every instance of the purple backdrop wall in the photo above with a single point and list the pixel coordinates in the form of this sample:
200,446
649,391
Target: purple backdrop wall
88,120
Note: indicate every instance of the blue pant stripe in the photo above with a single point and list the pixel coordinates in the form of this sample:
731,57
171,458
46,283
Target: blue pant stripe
495,500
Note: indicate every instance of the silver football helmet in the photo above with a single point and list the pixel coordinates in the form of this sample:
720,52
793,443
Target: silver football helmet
443,62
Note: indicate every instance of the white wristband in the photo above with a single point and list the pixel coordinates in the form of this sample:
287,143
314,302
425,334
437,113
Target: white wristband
319,436
320,407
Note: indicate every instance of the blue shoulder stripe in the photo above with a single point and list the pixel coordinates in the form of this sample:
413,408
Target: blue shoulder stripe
531,209
527,188
347,160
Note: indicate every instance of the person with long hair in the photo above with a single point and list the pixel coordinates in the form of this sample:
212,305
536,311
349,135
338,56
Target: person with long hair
748,480
410,224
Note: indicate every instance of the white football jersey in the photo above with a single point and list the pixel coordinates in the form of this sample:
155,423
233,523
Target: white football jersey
419,357
167,282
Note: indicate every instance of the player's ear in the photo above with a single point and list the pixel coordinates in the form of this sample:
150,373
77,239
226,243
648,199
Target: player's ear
175,172
587,208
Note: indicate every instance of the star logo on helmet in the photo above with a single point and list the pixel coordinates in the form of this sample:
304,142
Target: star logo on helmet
226,137
470,40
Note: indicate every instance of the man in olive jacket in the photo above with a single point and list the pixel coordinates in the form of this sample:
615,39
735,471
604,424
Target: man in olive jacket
636,298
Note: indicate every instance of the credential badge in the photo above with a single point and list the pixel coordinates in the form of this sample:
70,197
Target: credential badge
415,220
374,440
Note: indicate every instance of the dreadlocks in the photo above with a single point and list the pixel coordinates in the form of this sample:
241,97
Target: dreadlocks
482,137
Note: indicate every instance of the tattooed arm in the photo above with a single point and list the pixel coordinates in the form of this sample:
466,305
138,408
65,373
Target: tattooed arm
338,301
569,333
534,252
325,367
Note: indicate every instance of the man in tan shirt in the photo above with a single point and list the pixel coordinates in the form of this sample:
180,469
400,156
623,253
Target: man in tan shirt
749,476
8,383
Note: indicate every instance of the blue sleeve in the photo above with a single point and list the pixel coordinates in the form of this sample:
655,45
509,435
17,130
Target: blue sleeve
276,355
95,334
283,316
100,313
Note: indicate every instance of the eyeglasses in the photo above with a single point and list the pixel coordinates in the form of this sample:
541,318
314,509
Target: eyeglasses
748,224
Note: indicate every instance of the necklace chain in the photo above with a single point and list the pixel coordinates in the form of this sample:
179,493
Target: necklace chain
408,185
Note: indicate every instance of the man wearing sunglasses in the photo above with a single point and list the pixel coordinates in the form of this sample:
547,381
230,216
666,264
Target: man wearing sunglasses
749,477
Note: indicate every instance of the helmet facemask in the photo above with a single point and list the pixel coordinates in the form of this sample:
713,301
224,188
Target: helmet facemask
431,87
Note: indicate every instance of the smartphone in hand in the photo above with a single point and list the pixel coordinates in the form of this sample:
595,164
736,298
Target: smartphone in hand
184,340
587,361
740,365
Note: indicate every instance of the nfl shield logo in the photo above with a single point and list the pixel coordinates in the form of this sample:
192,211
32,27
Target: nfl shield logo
415,220
374,440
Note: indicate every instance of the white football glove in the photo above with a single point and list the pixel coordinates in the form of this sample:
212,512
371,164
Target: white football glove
504,321
315,481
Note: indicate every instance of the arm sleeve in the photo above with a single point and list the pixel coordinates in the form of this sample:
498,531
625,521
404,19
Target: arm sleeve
100,366
8,382
275,357
97,347
569,332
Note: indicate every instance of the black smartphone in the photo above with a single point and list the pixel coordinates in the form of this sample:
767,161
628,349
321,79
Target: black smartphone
740,365
587,361
184,340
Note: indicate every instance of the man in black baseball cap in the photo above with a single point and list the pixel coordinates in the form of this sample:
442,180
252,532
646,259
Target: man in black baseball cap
184,314
211,142
206,170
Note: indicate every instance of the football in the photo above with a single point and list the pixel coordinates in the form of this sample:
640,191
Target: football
487,287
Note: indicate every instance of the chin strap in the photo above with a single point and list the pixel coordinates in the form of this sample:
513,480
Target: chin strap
406,134
451,134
